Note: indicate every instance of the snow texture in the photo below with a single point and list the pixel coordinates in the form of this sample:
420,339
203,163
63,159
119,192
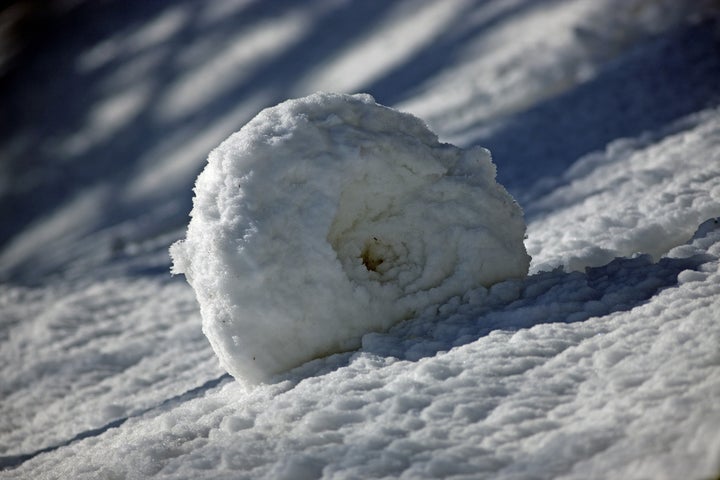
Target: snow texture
662,204
330,216
603,363
561,375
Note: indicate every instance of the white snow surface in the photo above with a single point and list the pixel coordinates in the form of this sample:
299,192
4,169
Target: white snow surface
662,204
603,363
329,217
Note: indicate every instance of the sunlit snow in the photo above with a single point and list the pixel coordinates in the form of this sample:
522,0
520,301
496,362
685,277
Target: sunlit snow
604,362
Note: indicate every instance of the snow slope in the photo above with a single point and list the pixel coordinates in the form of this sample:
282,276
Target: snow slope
603,119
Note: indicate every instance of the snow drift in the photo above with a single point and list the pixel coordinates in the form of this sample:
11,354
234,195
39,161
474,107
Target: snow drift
331,216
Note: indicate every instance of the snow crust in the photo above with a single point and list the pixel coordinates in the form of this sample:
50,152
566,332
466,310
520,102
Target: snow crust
662,204
603,116
330,216
605,374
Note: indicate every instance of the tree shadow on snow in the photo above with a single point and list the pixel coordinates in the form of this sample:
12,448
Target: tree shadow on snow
53,150
660,81
8,462
400,82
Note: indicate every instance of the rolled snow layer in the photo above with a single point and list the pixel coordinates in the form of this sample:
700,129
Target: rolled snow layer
330,216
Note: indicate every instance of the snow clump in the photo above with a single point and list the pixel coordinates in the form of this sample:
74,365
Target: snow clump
329,217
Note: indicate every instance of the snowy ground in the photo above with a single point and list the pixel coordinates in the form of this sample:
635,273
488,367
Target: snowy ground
603,118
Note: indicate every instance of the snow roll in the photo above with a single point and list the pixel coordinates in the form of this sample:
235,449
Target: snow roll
329,217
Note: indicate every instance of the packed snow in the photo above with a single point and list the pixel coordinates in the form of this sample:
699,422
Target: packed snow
602,118
329,217
662,204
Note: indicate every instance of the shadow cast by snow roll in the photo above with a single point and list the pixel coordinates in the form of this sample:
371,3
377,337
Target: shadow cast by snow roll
545,297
